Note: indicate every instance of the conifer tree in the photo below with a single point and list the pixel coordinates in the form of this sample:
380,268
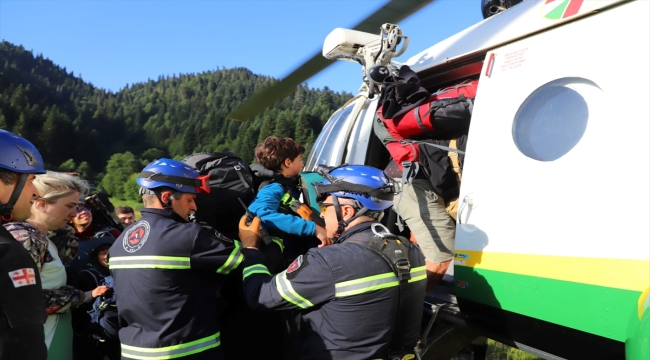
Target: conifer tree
267,127
282,126
303,129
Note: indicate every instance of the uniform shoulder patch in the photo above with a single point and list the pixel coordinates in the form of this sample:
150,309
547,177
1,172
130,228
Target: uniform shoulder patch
222,237
297,265
135,236
23,277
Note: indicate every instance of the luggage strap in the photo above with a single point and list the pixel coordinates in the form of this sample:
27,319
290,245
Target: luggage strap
442,147
453,159
410,169
241,176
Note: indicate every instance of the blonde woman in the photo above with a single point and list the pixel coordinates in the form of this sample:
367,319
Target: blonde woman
59,195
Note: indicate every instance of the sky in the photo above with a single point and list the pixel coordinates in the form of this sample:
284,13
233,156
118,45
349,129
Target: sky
114,43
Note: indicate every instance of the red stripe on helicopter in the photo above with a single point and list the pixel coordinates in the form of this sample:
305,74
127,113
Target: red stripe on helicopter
572,8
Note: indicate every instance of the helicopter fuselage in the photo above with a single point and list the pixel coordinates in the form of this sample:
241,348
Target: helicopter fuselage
553,238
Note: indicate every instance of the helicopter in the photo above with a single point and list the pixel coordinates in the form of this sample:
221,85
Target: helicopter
553,238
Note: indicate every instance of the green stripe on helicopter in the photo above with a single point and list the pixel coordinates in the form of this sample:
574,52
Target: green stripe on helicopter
600,310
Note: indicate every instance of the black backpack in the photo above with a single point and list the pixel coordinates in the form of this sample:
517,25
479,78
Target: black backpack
103,314
231,179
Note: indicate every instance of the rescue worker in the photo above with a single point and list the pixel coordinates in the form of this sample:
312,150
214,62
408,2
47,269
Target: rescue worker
358,300
165,270
22,305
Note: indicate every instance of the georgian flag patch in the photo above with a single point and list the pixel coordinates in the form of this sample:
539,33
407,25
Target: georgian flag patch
23,277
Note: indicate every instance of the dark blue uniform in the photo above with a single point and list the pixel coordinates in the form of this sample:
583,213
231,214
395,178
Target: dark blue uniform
165,272
22,304
348,295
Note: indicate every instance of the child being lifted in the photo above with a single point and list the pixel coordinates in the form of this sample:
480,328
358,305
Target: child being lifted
279,166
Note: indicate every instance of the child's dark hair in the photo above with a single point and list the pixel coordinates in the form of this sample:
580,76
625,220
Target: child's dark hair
272,152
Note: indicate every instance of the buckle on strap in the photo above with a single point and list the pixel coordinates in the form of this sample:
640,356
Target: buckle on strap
403,267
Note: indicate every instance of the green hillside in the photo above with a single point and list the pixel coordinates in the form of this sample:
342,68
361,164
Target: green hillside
79,127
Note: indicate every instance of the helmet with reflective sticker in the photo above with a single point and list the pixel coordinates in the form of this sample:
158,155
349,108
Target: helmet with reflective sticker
371,187
19,155
173,174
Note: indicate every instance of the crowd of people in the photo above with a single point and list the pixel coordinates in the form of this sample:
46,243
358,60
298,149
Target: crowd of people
346,288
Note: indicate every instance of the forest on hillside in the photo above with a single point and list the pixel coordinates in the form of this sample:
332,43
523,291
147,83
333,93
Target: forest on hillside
107,137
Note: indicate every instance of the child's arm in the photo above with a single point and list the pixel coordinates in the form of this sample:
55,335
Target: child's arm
266,205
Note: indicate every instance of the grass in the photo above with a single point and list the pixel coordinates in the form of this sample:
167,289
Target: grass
136,205
499,351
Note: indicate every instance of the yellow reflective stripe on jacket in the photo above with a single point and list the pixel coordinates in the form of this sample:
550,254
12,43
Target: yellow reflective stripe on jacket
375,282
255,269
149,262
171,352
283,285
280,243
287,199
418,273
233,261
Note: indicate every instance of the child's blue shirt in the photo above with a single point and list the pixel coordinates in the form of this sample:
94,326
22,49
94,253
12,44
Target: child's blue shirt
266,205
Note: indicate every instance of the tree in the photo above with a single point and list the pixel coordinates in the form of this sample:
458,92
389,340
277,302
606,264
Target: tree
3,122
175,115
301,134
282,127
57,132
326,99
309,144
118,170
267,127
131,188
68,166
150,155
85,171
247,143
19,126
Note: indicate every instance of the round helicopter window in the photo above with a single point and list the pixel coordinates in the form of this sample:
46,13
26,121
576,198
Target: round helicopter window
553,119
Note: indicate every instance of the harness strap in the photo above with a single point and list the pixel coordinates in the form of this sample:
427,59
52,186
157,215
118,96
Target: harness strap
409,170
241,176
418,119
395,251
5,209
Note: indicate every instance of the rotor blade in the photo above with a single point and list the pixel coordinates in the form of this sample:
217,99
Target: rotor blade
392,12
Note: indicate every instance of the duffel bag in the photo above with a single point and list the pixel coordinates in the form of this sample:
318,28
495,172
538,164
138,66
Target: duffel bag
446,114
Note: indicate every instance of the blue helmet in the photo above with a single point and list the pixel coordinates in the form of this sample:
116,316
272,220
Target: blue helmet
173,174
369,186
19,155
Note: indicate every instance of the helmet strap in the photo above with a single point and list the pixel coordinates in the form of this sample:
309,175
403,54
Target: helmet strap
166,205
5,209
339,217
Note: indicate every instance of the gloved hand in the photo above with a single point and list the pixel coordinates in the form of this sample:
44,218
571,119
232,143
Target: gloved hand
249,235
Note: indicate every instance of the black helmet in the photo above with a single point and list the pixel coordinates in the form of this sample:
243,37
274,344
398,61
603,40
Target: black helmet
492,7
